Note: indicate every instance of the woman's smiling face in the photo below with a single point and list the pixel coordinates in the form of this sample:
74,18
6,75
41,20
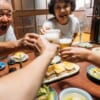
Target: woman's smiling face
62,10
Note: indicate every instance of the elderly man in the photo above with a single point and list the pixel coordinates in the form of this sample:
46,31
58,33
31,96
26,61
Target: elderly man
6,30
24,83
8,42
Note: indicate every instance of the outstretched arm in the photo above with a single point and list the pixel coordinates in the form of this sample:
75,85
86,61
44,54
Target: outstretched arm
24,84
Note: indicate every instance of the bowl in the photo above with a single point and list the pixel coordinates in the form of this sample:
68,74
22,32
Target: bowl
75,94
2,65
96,50
93,73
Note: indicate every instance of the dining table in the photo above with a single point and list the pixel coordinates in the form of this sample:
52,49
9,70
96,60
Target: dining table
79,80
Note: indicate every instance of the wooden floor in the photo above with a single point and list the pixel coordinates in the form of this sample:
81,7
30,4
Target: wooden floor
85,37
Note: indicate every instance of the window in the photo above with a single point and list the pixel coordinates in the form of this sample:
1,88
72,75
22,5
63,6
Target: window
29,15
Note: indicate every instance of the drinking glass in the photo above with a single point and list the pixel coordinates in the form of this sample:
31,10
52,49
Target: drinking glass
65,42
53,35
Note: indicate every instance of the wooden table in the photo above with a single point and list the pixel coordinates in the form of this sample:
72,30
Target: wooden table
79,80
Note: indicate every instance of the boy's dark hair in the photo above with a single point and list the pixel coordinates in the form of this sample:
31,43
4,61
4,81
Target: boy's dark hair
52,4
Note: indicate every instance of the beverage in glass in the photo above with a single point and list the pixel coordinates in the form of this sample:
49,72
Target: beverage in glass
65,42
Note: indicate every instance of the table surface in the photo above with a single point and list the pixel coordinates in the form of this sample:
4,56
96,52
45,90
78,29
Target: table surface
80,80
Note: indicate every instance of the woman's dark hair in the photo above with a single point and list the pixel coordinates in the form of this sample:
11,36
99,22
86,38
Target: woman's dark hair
53,2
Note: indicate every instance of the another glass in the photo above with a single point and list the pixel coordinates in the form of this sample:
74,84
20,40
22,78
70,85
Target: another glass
65,42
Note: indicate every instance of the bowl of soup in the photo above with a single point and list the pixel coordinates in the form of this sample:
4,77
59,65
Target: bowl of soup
74,94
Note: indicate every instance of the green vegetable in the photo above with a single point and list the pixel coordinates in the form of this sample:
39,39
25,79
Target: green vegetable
44,90
51,96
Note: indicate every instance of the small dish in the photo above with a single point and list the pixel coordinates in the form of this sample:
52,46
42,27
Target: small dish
56,59
75,94
19,57
96,50
47,93
85,45
2,65
94,73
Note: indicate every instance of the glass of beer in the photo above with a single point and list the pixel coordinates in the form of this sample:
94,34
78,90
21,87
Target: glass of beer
65,42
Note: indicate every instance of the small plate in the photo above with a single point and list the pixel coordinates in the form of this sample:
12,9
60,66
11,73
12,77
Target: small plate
2,65
96,50
51,94
54,93
18,59
93,73
74,93
56,60
85,45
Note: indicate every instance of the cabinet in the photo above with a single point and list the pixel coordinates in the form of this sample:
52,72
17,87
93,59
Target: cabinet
95,27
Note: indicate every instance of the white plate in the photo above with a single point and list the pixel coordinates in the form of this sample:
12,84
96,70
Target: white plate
65,75
75,90
22,60
85,45
96,50
56,59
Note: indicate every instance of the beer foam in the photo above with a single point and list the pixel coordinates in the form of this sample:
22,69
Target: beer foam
65,40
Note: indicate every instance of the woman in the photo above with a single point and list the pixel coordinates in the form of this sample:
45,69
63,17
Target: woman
63,18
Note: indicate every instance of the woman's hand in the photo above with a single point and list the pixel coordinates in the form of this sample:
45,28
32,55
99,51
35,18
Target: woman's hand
44,29
75,54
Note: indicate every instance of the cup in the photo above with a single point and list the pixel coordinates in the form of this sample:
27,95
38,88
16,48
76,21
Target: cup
65,42
53,35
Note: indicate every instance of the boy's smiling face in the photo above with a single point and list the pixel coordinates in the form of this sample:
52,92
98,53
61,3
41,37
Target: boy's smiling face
62,10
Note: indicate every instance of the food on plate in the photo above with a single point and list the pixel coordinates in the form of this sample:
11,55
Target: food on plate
19,56
74,96
59,69
50,72
95,72
44,93
69,66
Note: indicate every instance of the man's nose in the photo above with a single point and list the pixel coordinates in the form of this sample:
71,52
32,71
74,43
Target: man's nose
4,18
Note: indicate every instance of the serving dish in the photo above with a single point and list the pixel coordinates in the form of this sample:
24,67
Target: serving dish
2,65
19,57
93,73
96,50
85,45
56,59
74,94
60,71
47,93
